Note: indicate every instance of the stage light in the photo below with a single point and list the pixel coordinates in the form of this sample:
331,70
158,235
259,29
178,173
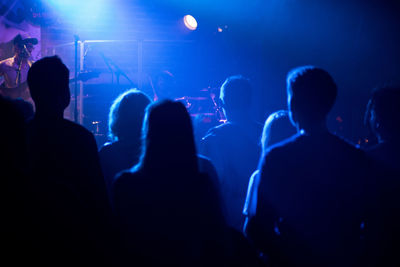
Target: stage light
190,22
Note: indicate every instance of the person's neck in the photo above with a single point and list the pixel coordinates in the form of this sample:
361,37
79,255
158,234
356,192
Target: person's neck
312,128
49,114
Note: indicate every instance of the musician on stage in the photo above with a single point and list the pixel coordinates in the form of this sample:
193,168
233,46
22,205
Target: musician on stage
164,86
14,70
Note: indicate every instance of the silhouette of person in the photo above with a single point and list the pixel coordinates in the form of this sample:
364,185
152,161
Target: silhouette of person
164,86
168,211
125,128
383,118
233,147
69,199
277,128
25,107
15,231
310,203
15,69
125,122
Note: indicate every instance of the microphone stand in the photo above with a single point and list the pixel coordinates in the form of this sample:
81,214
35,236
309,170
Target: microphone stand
18,80
118,71
21,57
106,60
76,80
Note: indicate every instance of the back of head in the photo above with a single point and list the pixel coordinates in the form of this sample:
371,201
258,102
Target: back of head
383,112
126,116
25,108
48,81
311,94
235,95
277,128
12,134
168,134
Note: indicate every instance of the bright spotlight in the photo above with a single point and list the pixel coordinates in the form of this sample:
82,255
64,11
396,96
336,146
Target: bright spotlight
190,22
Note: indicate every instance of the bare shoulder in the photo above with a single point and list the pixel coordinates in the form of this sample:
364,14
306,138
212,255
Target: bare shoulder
7,62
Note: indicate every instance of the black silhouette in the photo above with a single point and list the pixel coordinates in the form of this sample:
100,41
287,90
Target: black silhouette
383,118
169,212
125,128
383,113
16,239
310,204
25,107
69,201
233,147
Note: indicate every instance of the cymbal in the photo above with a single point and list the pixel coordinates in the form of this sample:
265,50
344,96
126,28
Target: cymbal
209,89
191,98
202,114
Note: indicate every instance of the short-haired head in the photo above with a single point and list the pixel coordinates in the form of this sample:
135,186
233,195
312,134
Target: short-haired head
48,81
311,95
235,95
126,115
383,113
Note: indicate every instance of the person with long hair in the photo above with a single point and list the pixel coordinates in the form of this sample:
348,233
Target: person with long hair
277,128
168,211
125,122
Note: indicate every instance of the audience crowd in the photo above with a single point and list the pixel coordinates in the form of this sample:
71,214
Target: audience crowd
290,193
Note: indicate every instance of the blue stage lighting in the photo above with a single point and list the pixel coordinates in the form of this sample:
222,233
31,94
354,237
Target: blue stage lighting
81,13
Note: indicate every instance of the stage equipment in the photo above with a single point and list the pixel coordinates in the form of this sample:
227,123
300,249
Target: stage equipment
190,22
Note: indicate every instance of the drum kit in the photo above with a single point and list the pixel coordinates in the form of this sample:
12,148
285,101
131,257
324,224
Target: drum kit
205,106
204,109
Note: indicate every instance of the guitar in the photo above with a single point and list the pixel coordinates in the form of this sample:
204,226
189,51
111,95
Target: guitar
22,90
14,92
84,76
